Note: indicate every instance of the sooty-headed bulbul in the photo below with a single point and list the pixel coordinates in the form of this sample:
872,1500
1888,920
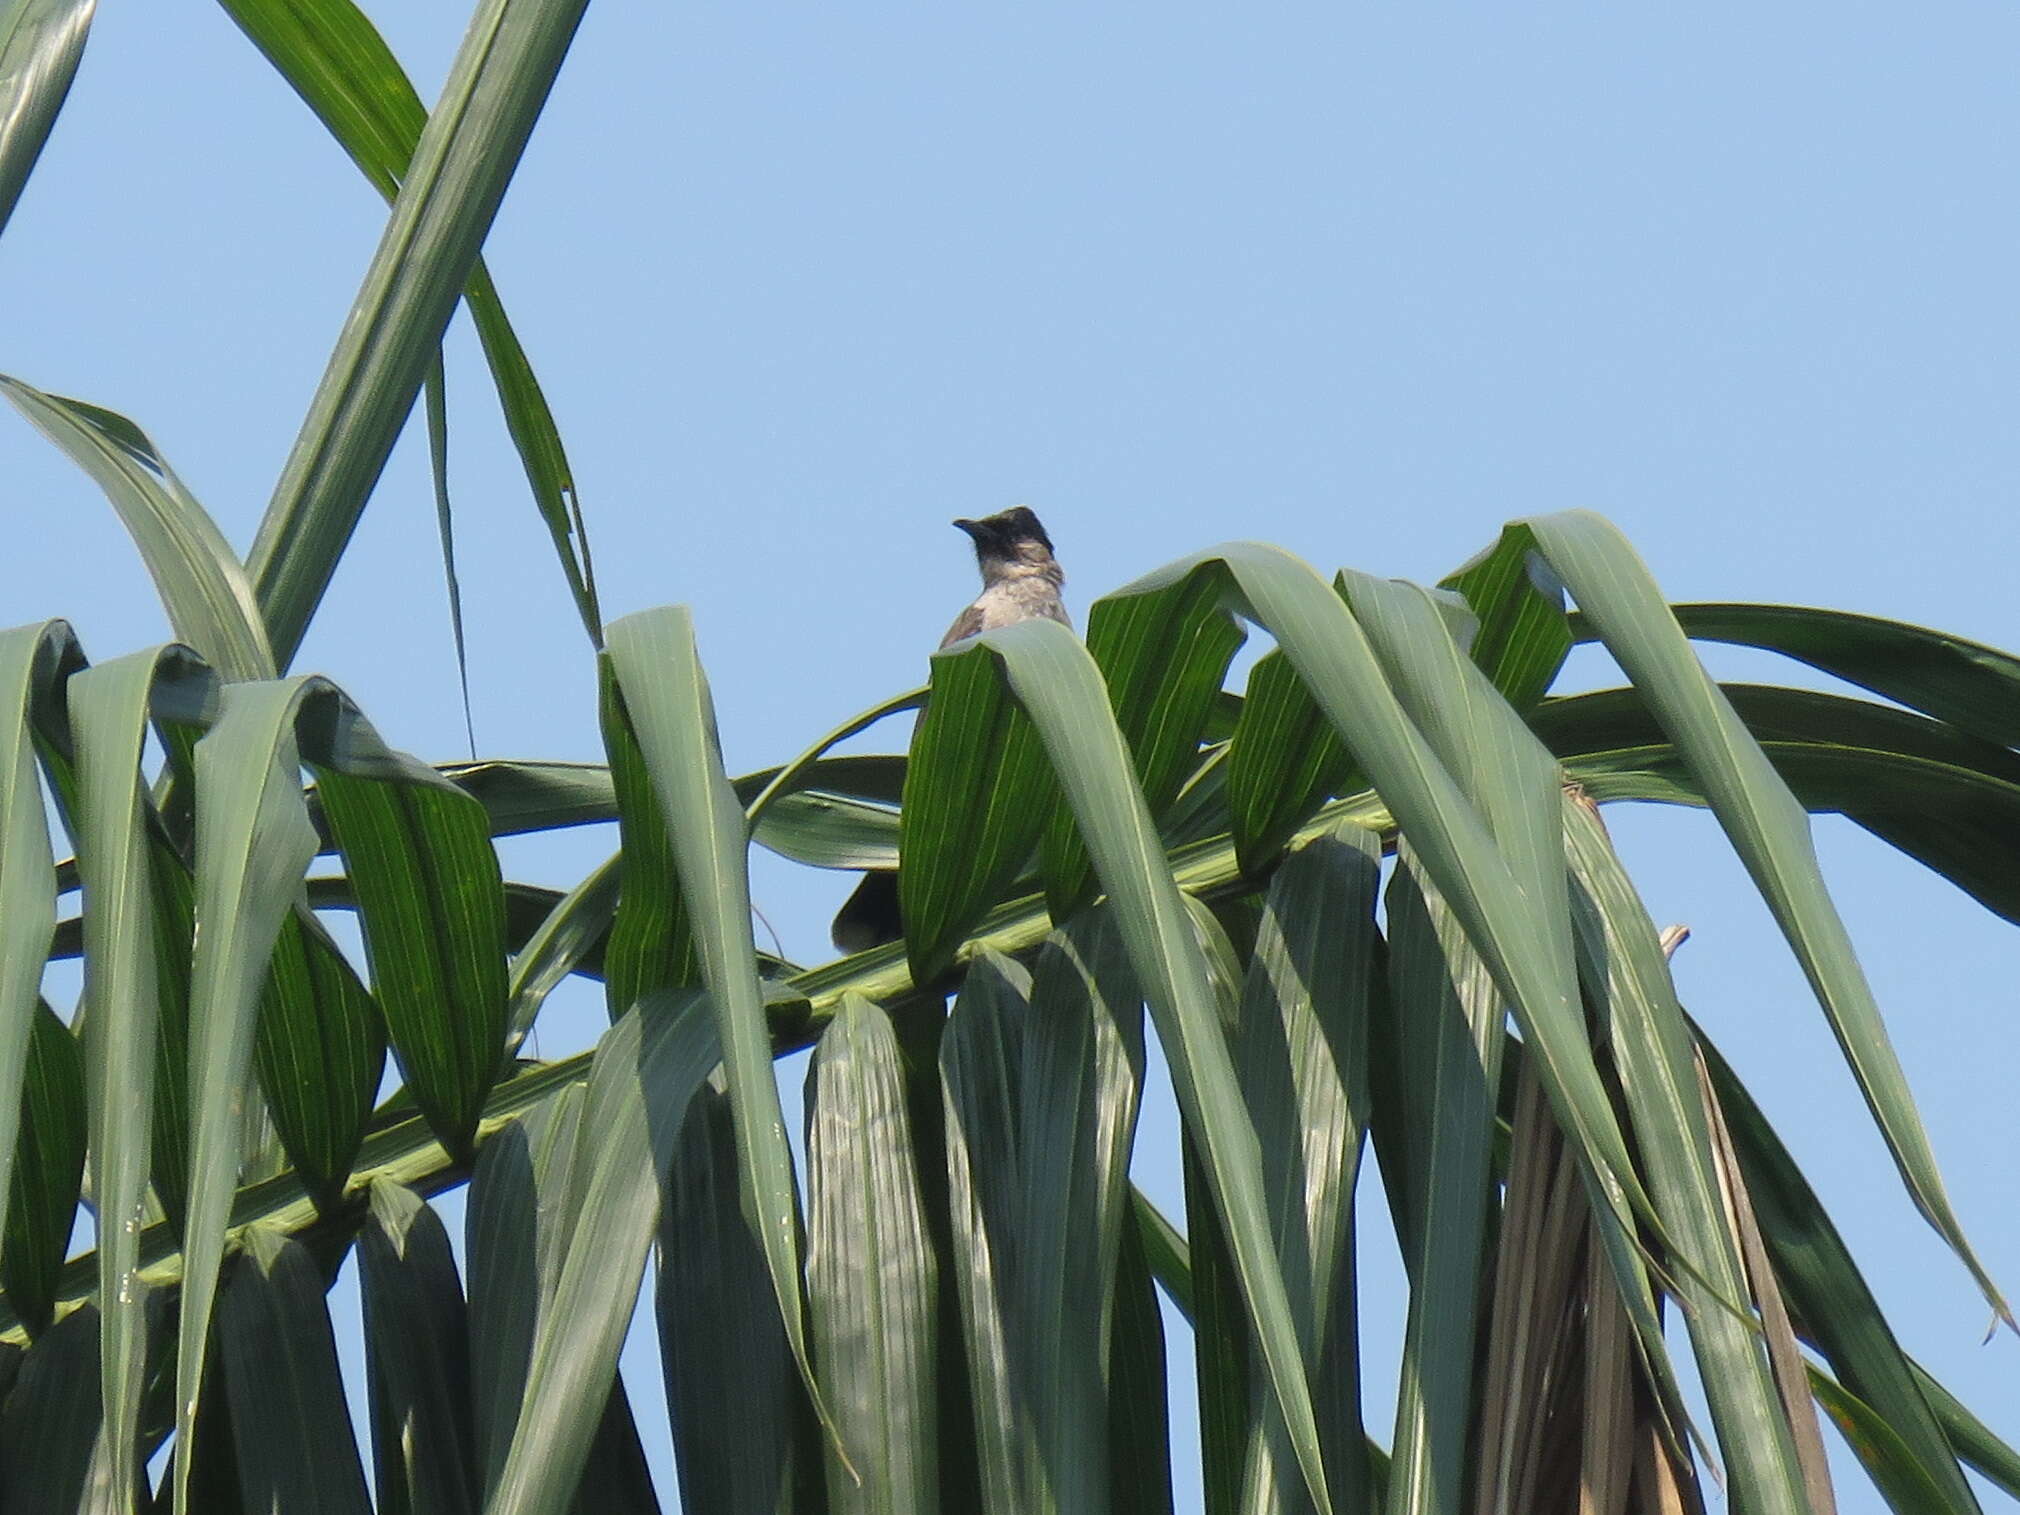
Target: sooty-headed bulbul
1020,582
1020,577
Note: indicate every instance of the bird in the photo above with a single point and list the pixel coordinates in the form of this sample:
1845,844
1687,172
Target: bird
1020,577
1020,582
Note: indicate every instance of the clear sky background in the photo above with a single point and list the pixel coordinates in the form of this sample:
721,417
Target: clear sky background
804,283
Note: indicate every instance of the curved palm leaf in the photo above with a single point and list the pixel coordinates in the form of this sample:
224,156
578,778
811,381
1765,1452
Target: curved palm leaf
203,588
1768,829
335,59
461,164
41,42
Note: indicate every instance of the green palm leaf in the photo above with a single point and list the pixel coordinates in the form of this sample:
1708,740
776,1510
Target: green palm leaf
646,1069
254,841
42,1206
279,1355
417,1332
653,658
1965,683
209,600
335,59
29,658
50,1423
40,44
461,164
732,1390
870,1270
108,708
1050,675
1767,827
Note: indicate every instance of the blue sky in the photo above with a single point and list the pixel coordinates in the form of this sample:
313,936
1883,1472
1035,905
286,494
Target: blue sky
1362,281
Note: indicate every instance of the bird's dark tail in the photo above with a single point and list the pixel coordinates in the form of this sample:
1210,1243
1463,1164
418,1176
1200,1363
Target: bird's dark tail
869,917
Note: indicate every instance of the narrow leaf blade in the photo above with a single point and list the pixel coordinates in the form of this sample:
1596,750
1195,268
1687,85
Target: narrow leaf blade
279,1357
871,1290
461,165
1052,677
41,42
658,669
254,842
209,600
1768,830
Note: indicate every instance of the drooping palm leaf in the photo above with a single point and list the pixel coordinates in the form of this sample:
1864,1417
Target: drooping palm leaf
646,1069
653,659
871,1288
209,600
1050,675
1768,830
29,661
108,708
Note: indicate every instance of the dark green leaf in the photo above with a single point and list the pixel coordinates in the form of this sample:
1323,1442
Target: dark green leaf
1078,1091
1223,1348
515,1225
1946,799
1165,1251
437,408
342,69
1301,1052
295,1448
1284,761
418,1359
651,947
1139,1412
570,934
1163,657
739,1418
1052,677
1516,788
320,1049
108,720
981,1074
653,657
1972,1438
1895,1471
977,800
832,812
1447,1018
1523,636
1970,685
49,1164
29,659
253,842
881,778
1825,1291
419,855
1627,981
49,1425
647,1068
615,1477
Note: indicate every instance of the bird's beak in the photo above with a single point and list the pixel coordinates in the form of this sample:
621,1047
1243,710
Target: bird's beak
973,528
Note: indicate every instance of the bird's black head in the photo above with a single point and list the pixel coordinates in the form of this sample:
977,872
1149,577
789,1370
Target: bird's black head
1003,534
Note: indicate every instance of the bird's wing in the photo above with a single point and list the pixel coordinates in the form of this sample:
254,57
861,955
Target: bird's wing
966,624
